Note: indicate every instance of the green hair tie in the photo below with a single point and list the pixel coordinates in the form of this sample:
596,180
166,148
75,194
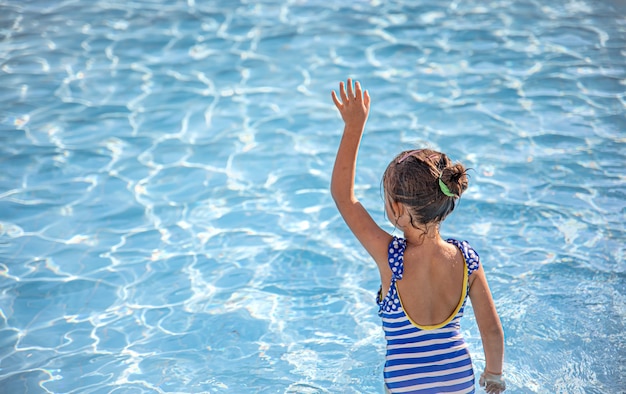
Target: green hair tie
445,189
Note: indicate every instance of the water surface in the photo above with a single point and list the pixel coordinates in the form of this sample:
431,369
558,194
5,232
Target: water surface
165,219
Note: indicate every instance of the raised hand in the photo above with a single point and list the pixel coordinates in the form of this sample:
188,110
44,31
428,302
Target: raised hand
354,105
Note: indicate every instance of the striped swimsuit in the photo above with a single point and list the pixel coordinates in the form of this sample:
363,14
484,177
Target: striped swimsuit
425,359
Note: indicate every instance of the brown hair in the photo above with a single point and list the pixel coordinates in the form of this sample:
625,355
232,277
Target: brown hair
412,178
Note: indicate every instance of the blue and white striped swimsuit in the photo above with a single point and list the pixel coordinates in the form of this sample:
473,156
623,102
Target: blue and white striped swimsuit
425,359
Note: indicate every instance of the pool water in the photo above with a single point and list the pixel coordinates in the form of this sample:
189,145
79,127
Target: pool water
165,218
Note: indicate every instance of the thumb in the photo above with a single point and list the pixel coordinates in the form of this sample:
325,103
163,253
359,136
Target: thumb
367,99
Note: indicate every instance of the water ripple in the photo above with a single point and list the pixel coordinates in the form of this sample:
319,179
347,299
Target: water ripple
166,224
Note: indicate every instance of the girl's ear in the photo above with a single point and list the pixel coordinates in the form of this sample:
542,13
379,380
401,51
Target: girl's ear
397,208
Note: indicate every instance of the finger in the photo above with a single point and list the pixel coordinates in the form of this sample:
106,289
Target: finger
350,92
336,100
342,92
359,92
492,389
367,100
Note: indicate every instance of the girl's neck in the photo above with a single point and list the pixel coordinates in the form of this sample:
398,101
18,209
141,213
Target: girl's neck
423,237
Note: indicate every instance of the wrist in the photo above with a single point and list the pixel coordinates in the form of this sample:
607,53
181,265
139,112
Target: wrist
354,127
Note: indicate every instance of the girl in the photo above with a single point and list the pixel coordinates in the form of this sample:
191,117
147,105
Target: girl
425,280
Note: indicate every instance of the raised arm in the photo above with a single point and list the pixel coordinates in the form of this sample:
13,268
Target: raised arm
491,333
354,107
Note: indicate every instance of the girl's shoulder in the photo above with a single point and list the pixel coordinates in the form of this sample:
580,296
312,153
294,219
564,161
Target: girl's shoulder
472,259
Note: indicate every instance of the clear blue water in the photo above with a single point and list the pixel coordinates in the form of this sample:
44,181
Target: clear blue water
165,219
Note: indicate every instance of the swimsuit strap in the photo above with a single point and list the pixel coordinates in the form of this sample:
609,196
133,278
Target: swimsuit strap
396,257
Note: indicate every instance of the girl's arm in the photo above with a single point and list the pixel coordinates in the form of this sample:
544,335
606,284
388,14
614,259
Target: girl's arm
491,332
354,108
